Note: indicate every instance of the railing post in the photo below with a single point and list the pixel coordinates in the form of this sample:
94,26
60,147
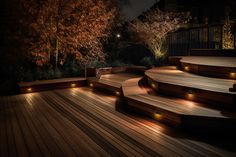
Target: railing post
221,43
208,36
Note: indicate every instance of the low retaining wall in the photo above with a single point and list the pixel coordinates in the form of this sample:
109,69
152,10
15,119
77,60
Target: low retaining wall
97,72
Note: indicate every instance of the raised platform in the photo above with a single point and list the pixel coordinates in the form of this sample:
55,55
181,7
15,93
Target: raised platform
171,81
220,67
174,111
110,82
42,85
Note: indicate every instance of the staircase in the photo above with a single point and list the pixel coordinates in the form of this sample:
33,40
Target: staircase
178,97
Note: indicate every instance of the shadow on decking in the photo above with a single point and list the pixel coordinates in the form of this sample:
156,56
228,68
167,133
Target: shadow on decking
224,139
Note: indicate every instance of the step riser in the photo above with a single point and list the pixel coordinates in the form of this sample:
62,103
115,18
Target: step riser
182,121
223,100
158,114
105,88
52,86
210,71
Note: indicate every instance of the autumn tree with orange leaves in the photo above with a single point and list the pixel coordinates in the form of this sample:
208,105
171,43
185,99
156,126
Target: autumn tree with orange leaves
53,29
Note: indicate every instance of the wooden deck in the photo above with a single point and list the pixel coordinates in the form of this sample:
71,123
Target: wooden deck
79,122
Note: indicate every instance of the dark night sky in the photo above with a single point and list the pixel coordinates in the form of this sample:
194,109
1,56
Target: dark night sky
136,7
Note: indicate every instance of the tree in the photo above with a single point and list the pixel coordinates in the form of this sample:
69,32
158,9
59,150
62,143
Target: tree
153,27
228,39
56,28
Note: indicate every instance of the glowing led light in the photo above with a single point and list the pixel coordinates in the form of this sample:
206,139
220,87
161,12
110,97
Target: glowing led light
117,93
190,95
73,85
232,75
29,89
91,85
157,116
186,68
154,85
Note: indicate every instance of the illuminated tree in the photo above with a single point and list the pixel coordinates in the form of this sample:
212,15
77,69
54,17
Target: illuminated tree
58,28
153,27
228,39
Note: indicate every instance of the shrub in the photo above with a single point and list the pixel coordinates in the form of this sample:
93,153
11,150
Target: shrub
147,61
118,63
96,64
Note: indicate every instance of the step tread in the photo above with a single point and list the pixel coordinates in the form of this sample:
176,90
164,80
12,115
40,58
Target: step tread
173,76
133,91
181,107
114,80
229,62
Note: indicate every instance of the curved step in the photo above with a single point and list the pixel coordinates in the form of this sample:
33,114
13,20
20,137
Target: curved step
177,112
219,67
171,81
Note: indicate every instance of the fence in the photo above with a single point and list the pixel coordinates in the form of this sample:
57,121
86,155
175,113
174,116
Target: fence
206,37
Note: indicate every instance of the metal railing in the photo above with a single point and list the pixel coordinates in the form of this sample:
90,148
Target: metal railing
204,37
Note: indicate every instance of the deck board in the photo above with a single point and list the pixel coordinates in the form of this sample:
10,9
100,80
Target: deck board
132,90
171,75
80,122
115,80
54,81
210,61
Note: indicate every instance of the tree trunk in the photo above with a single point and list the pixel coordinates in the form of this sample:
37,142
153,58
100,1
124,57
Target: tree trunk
85,70
56,55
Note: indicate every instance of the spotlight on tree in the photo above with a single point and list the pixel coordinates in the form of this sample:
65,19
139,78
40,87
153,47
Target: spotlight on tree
152,28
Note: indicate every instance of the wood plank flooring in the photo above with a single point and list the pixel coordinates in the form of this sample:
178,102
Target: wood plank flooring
171,75
116,80
54,81
80,122
229,62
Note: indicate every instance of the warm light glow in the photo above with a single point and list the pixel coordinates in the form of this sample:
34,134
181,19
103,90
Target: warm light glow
155,28
91,85
227,35
157,116
186,68
154,85
118,35
189,104
232,75
117,93
29,89
30,99
190,96
73,85
73,91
